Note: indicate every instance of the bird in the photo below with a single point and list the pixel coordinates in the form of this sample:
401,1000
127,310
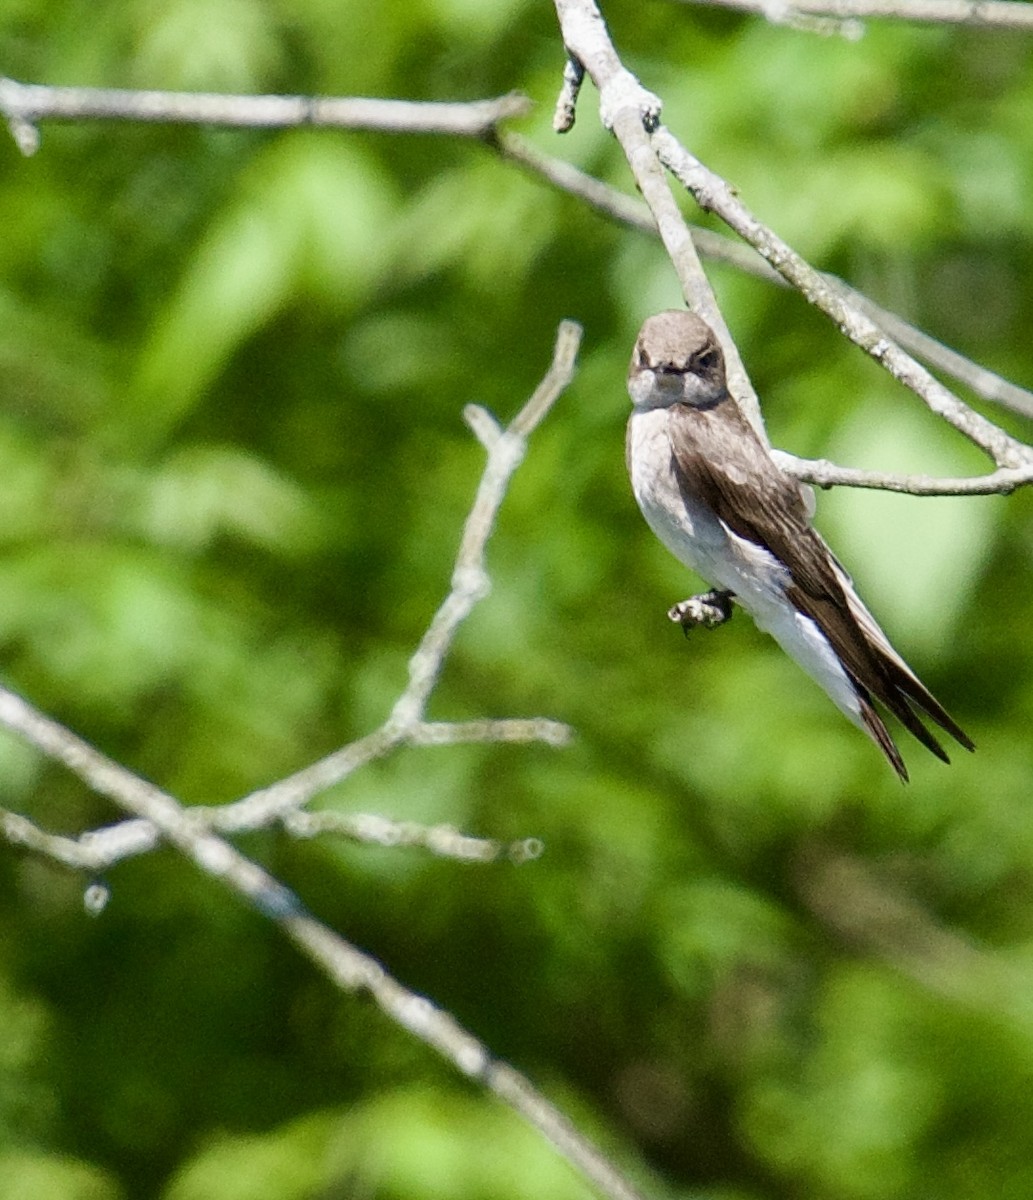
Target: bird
710,490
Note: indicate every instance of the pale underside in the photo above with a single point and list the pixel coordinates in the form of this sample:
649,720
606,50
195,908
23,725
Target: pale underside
695,535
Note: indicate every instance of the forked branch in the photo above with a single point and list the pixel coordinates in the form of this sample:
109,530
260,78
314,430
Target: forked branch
157,816
633,113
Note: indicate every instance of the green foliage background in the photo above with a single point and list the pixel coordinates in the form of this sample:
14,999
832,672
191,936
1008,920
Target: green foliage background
233,473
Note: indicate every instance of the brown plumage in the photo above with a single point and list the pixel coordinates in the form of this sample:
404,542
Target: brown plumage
720,463
770,511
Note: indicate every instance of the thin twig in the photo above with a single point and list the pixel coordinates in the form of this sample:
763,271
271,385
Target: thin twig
502,729
23,104
91,852
825,474
989,14
442,840
566,104
981,381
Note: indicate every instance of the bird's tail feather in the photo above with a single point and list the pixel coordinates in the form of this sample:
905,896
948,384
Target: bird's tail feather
907,688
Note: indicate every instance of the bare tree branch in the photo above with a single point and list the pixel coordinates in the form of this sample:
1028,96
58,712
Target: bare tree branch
825,474
470,584
566,104
715,247
406,725
96,850
442,840
92,852
504,729
714,194
347,966
633,114
980,380
157,815
24,104
994,14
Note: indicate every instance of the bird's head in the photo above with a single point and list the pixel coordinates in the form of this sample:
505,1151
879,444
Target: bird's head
677,360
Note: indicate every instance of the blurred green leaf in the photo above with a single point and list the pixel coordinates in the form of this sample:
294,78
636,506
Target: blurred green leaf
302,222
24,1175
410,1144
204,491
917,560
191,45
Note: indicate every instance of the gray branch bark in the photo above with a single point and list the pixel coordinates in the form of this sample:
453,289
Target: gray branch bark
633,113
992,14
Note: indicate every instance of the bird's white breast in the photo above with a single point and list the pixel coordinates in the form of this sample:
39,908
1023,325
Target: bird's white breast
690,530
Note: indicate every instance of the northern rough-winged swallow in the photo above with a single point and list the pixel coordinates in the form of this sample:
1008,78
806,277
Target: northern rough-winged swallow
714,496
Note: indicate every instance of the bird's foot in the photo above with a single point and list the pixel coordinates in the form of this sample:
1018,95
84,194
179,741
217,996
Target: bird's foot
709,610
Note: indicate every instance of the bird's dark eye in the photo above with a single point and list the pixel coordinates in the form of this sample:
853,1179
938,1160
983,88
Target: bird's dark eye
707,359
